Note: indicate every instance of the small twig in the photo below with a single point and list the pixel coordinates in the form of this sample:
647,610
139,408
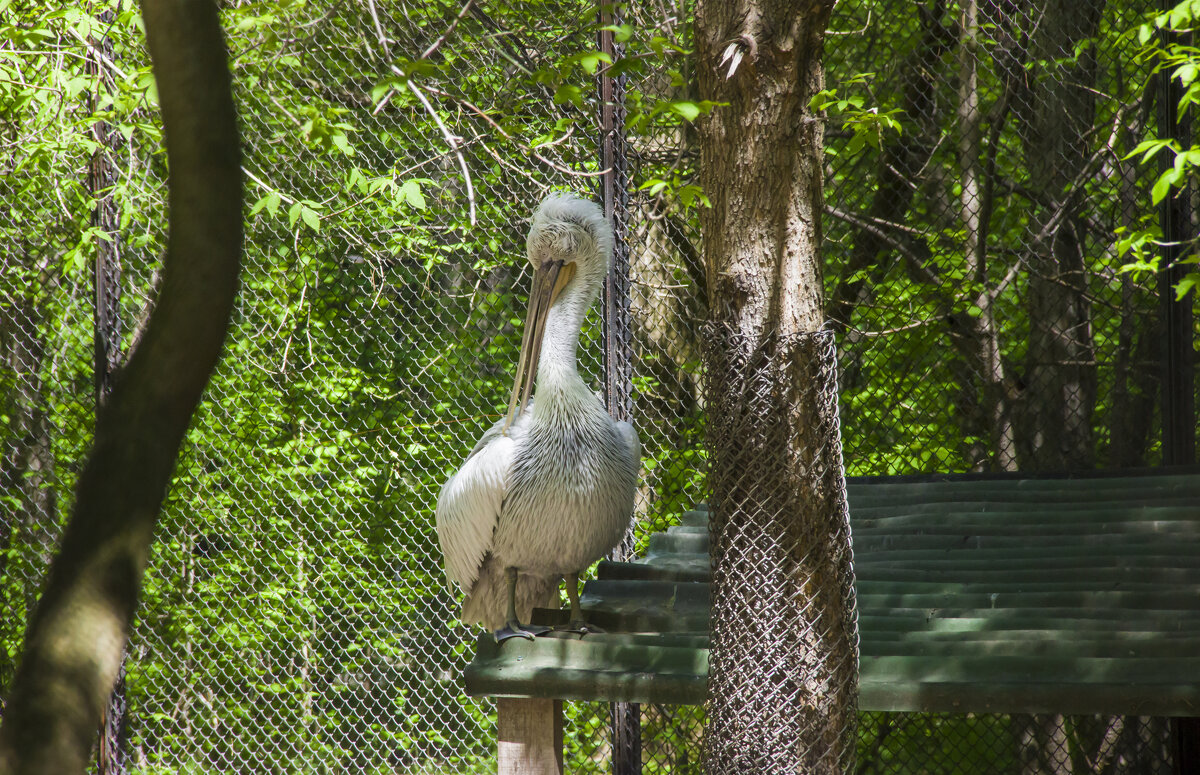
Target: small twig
383,103
100,55
267,186
511,167
870,226
898,329
383,41
866,24
429,365
451,140
1008,278
551,143
50,89
1089,168
659,286
442,39
394,175
483,114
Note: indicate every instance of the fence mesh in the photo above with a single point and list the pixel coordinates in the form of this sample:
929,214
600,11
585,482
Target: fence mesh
974,254
783,681
294,616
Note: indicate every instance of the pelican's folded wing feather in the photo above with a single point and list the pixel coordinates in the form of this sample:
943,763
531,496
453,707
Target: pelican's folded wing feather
469,507
634,447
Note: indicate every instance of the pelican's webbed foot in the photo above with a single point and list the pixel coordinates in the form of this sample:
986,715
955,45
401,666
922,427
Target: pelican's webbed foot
577,624
514,629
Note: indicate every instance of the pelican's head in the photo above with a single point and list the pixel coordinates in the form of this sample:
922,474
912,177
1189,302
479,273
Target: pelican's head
570,246
573,231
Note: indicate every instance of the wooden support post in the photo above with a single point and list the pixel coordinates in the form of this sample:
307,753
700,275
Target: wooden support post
530,736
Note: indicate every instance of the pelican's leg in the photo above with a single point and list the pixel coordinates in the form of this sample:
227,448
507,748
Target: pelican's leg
513,627
578,623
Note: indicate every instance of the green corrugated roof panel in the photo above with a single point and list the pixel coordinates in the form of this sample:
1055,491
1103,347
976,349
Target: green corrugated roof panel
1020,596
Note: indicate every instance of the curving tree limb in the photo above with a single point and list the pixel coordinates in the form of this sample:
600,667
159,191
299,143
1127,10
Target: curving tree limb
74,642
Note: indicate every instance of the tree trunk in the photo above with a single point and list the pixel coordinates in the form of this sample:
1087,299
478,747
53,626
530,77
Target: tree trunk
1136,383
985,362
784,666
1054,112
761,163
74,643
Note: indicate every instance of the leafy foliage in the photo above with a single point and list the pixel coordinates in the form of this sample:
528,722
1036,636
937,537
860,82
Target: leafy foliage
1163,47
295,616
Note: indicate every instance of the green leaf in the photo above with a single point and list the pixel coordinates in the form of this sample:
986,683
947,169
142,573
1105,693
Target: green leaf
342,143
689,110
75,86
1149,149
622,33
589,61
653,186
410,192
259,205
1180,16
1186,73
1163,185
568,93
310,217
1185,285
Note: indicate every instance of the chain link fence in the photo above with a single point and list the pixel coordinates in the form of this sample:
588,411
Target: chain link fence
945,743
783,682
294,616
975,252
973,263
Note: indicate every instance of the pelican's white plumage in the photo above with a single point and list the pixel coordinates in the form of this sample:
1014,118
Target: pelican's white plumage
554,491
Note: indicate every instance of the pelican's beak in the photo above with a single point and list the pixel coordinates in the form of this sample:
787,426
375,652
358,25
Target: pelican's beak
549,279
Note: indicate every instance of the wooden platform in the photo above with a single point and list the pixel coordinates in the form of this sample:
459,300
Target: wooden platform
1014,596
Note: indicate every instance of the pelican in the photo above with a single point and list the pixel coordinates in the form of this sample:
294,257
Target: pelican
549,489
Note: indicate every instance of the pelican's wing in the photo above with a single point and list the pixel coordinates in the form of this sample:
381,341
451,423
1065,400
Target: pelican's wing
469,506
634,447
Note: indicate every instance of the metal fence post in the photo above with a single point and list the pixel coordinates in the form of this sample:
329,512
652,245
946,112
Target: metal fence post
625,720
106,327
1179,386
1178,363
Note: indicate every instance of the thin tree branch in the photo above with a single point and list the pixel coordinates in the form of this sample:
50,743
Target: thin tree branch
442,38
451,140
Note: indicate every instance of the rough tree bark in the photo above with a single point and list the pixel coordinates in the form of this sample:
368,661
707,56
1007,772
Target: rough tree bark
782,691
74,643
761,162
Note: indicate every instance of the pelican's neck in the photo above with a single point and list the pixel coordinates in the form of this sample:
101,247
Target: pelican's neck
558,370
557,366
